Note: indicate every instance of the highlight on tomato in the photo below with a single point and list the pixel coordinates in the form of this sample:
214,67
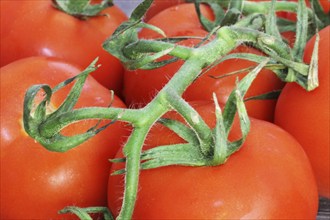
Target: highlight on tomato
36,183
37,28
270,177
306,114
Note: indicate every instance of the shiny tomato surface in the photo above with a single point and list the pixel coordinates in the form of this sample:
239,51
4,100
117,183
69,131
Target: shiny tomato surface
306,114
36,28
270,177
37,183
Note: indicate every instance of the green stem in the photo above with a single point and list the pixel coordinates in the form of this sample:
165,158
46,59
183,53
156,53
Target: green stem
148,46
263,7
132,151
55,124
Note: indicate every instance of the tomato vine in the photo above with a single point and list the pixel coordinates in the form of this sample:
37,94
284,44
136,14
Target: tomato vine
205,146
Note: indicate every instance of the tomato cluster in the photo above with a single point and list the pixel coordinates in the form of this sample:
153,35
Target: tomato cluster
280,171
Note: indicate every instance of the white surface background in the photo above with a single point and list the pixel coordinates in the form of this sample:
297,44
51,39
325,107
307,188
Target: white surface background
127,5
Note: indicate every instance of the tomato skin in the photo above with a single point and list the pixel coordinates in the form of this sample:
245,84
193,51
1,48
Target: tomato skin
183,18
306,114
160,5
263,180
36,28
36,183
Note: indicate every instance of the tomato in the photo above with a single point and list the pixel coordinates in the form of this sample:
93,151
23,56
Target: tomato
268,178
160,5
36,28
140,86
35,182
183,18
306,114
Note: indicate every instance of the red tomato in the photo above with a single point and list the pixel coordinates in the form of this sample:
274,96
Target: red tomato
140,86
183,18
160,5
36,183
36,28
306,114
269,178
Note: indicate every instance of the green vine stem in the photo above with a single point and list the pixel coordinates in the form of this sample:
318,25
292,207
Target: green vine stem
84,213
205,146
251,7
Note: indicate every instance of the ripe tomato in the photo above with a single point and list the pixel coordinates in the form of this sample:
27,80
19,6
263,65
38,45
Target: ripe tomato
306,114
36,183
36,28
183,18
140,86
160,5
268,178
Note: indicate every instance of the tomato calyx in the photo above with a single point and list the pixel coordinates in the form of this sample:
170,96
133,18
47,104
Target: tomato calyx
35,117
81,9
204,146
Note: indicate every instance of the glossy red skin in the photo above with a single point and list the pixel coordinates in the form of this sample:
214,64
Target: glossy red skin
140,86
306,114
183,18
160,5
36,183
269,178
36,28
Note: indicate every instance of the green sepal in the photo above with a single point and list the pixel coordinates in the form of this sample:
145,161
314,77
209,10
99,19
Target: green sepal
177,154
319,12
220,152
285,25
271,22
181,129
34,118
127,34
265,96
146,62
223,148
233,13
301,31
312,78
139,12
218,11
84,213
81,8
231,104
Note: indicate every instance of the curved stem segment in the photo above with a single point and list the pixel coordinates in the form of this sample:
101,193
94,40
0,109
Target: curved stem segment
132,152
